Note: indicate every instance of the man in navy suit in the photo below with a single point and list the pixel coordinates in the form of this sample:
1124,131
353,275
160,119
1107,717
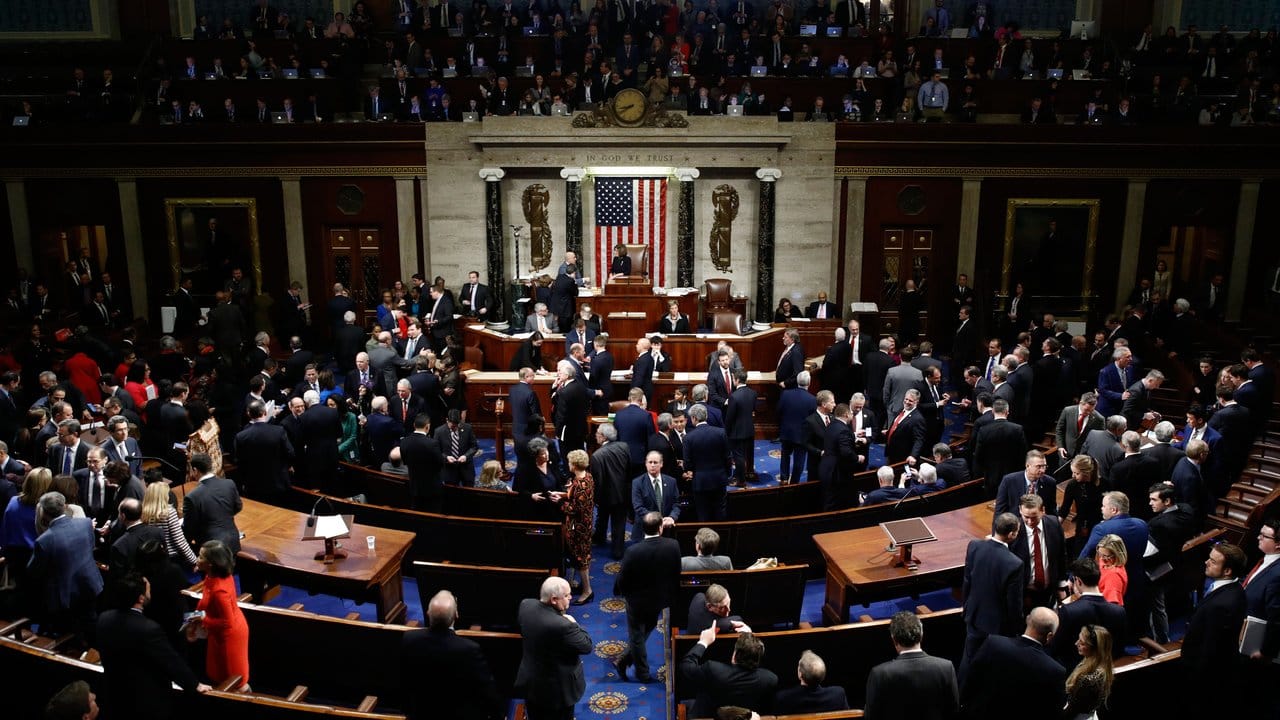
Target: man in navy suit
794,406
792,360
1134,533
1210,649
1114,381
61,570
122,448
708,457
739,426
649,579
642,368
1233,423
1031,481
1262,588
319,429
1011,672
914,684
1249,395
458,445
720,380
822,309
446,675
840,461
69,453
815,434
1042,549
634,425
1172,525
384,432
422,456
1189,481
905,439
524,405
887,492
264,455
1089,608
599,376
811,696
645,488
992,589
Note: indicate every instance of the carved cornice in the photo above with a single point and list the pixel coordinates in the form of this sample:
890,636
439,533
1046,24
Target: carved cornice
236,171
977,173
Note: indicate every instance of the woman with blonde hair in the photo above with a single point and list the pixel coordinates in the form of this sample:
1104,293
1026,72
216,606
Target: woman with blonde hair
491,476
1112,556
1090,683
578,505
18,524
156,510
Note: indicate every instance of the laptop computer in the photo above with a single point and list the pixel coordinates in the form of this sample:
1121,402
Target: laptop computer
210,75
835,31
733,111
22,121
865,71
808,30
836,71
944,73
455,32
527,31
264,74
561,111
317,73
289,73
386,117
524,71
279,117
1054,74
479,70
470,117
449,72
759,71
1079,74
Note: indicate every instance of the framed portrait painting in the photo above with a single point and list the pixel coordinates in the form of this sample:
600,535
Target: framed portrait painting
209,237
1049,247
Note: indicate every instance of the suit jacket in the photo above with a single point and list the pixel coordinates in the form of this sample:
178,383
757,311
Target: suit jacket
642,374
1014,485
264,455
721,684
1134,475
447,676
131,450
1087,610
524,405
634,426
912,686
125,549
876,365
952,472
790,365
348,341
907,439
405,412
667,327
139,664
484,300
1210,649
1263,595
1000,448
672,449
384,432
421,455
993,581
815,434
833,310
643,500
599,377
1111,386
898,380
1191,485
79,461
62,567
794,406
650,574
964,346
458,473
320,429
209,512
1168,531
1065,434
570,415
1102,446
707,456
550,672
806,699
1133,532
739,423
838,464
1055,560
1012,672
717,392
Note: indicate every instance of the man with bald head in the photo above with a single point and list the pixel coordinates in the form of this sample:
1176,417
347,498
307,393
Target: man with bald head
550,677
446,675
1017,673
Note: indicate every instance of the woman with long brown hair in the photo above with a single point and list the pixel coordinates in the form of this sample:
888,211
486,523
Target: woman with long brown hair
1089,683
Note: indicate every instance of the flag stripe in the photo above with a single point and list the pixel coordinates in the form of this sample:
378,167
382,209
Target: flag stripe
631,211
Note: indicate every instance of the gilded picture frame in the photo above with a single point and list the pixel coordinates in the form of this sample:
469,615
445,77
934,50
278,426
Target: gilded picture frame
192,252
1049,246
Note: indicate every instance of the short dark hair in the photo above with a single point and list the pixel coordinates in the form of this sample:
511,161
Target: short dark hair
70,703
1086,570
201,462
906,629
1006,523
128,589
1233,559
1164,490
421,421
748,651
222,562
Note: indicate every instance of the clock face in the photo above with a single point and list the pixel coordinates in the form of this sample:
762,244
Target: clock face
629,106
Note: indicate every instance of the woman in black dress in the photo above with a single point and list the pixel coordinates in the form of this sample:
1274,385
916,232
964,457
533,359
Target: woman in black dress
620,266
786,311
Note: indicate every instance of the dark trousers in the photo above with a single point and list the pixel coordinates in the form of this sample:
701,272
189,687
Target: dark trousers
709,504
794,457
615,515
539,711
972,643
744,460
640,623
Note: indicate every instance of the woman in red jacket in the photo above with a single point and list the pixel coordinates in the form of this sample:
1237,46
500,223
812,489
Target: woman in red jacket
228,650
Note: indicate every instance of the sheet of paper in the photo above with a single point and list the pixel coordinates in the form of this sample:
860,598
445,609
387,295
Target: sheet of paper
330,526
753,375
1151,549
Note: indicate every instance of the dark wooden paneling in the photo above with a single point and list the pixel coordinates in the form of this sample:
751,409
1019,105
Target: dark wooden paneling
1210,204
8,252
56,204
1266,252
941,213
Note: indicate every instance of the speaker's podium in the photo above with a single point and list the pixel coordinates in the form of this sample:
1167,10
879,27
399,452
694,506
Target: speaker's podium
330,529
902,535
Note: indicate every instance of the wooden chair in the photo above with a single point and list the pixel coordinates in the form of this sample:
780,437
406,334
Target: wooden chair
764,598
639,255
487,595
726,322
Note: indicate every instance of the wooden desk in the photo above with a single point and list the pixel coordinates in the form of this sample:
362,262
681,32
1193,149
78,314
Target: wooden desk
272,551
859,568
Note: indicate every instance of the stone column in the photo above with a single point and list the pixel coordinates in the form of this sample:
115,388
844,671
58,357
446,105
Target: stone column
407,227
855,236
295,236
573,212
494,239
685,227
967,249
764,253
135,255
1246,215
1130,241
21,225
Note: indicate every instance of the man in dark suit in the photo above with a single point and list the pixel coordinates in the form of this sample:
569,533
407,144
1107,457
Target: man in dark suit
120,446
840,460
1089,608
1262,590
1210,649
264,456
405,405
998,447
720,380
811,696
458,445
139,664
905,438
475,298
134,534
1171,526
209,511
964,344
933,402
175,427
649,579
61,575
741,683
739,426
439,321
821,308
815,434
1233,423
1042,549
1017,672
610,468
421,455
319,430
1033,480
69,453
643,367
794,406
550,675
1114,379
951,470
634,426
445,675
1134,473
655,491
348,344
707,455
570,407
992,590
792,360
876,367
914,685
1163,450
524,406
1134,533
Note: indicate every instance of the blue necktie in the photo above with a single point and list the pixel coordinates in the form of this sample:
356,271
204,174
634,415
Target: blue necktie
66,461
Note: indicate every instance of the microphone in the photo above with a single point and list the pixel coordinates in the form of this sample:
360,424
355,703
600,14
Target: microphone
162,461
311,519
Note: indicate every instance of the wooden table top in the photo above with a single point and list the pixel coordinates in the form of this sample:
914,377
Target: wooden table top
273,537
859,558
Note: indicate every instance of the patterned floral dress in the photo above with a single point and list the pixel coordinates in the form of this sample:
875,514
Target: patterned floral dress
579,511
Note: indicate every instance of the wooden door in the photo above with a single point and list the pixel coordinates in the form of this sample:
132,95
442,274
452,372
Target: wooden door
353,257
906,254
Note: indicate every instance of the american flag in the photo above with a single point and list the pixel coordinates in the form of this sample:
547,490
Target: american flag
632,211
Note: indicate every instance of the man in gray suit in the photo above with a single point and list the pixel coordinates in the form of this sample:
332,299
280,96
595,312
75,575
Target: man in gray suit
383,362
898,381
550,676
1076,422
1104,445
914,685
705,544
209,511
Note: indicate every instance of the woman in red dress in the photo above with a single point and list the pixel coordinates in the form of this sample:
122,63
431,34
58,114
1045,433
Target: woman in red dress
228,651
578,504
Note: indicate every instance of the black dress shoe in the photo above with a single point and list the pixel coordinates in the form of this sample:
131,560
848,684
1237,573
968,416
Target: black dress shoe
621,665
583,601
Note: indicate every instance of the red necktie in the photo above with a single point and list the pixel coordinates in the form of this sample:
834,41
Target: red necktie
1037,560
404,410
1080,422
1248,578
728,384
895,424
